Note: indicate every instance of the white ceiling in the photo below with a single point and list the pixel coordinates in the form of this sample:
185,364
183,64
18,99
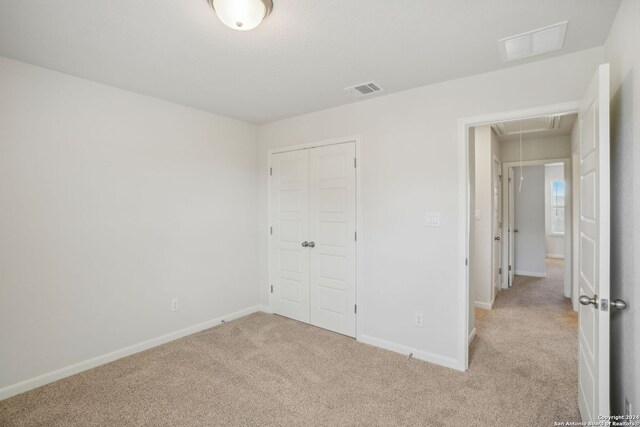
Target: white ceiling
299,60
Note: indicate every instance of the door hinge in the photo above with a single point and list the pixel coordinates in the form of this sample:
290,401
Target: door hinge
500,270
509,268
271,288
466,261
355,236
270,171
355,309
271,230
355,164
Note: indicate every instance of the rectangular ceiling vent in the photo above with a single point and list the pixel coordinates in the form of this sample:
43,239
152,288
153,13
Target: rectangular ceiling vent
532,43
364,89
536,124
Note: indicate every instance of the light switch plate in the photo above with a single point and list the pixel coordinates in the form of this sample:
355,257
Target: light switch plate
432,219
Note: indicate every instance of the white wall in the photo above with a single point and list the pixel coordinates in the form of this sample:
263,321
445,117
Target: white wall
623,53
554,243
113,203
481,272
555,147
409,165
530,222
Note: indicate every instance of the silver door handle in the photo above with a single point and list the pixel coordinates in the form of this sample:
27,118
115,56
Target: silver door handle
305,244
312,244
515,230
497,238
619,304
585,300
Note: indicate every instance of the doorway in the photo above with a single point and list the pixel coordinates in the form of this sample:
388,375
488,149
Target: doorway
520,214
591,143
538,206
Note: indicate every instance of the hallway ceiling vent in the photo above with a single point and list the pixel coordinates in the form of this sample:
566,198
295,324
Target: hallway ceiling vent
532,43
364,89
536,124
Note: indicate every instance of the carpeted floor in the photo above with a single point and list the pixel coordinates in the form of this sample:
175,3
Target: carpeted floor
266,370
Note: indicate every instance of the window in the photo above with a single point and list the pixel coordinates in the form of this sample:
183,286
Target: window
557,206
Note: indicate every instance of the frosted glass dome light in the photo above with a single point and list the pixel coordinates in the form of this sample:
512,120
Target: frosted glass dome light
241,15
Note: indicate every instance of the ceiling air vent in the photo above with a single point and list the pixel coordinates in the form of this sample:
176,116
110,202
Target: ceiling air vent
364,89
531,43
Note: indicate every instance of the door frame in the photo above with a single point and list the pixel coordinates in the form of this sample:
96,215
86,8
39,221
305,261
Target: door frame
359,266
568,241
464,215
494,291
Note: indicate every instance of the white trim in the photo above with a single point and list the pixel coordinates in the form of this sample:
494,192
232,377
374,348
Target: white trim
559,256
530,273
464,216
359,253
486,305
403,349
472,335
67,371
483,305
264,308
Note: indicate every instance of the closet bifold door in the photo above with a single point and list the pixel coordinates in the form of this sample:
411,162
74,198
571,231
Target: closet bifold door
289,182
332,228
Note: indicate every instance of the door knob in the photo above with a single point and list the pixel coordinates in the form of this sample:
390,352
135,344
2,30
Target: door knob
497,238
312,244
619,304
585,300
305,244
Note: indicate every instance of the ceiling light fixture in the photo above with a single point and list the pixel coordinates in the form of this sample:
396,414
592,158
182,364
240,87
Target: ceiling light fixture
242,15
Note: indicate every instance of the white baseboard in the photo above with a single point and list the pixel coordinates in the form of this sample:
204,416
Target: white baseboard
530,273
76,368
472,335
483,305
265,309
554,256
418,354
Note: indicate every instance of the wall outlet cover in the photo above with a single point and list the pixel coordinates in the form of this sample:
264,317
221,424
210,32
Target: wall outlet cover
419,320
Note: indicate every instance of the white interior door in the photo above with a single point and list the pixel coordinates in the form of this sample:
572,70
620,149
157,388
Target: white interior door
289,260
496,227
593,340
332,231
512,230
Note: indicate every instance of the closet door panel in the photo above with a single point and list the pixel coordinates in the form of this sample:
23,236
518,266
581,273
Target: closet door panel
332,229
290,228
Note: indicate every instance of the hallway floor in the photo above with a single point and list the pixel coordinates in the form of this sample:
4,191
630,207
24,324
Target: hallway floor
531,334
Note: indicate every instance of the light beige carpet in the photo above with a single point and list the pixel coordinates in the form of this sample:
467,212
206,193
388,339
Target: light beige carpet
266,370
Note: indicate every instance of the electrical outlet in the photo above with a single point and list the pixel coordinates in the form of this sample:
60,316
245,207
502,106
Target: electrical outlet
419,319
175,304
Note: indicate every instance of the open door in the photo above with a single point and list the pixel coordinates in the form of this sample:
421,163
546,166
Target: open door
593,334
